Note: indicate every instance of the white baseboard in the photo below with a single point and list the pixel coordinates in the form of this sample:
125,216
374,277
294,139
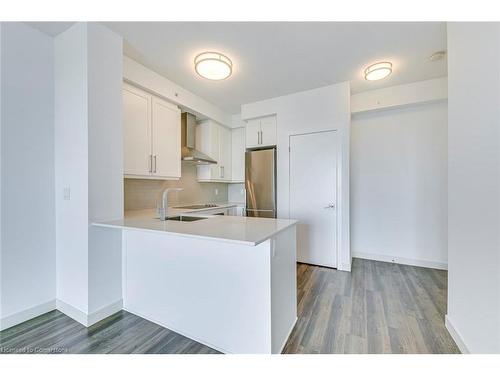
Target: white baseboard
24,315
287,336
104,312
88,319
407,261
455,335
67,309
344,267
73,312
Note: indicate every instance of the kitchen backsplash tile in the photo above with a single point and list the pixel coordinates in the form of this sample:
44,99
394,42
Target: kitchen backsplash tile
142,194
236,193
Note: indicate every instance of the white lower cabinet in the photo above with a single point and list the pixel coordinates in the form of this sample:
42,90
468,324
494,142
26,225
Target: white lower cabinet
152,136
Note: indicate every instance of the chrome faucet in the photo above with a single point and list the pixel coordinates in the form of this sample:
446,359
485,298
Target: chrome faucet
163,209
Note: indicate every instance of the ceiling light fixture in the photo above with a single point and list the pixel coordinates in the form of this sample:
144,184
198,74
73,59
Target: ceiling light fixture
213,65
378,71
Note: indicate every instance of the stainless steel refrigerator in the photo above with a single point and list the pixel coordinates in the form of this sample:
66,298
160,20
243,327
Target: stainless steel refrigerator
260,182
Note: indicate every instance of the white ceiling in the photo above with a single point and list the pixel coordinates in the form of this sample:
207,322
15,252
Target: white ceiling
274,58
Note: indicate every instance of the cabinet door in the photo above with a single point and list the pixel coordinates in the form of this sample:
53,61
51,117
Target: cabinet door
238,155
136,132
268,131
166,131
252,133
215,169
207,141
225,152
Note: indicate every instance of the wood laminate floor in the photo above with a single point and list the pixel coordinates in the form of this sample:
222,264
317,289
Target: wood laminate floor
377,308
121,333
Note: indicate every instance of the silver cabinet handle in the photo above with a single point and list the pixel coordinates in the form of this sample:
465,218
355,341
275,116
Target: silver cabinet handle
222,171
150,163
155,164
260,137
331,205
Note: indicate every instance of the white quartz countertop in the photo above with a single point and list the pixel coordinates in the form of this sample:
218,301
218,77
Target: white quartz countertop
244,230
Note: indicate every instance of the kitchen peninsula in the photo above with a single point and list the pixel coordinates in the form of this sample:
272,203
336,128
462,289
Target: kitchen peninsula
228,282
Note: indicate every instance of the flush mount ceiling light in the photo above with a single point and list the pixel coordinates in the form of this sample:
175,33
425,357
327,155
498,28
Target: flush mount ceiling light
213,65
378,71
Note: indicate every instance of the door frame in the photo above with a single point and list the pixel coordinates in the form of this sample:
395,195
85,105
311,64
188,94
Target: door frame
339,204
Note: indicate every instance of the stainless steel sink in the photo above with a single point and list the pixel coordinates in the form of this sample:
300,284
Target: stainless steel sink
186,218
198,206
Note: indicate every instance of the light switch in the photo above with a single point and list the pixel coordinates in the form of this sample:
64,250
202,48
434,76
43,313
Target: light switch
67,193
216,191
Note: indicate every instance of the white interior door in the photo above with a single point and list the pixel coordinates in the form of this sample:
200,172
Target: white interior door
313,196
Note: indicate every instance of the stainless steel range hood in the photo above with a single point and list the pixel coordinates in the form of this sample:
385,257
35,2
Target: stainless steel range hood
188,152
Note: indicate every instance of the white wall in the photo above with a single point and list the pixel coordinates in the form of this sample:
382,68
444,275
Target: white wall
105,161
474,186
88,94
27,174
71,166
1,122
401,95
320,109
399,184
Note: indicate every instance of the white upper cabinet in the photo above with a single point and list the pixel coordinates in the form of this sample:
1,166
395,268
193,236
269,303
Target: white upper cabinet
152,136
225,151
215,141
136,131
238,155
261,132
207,141
268,131
166,130
252,133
